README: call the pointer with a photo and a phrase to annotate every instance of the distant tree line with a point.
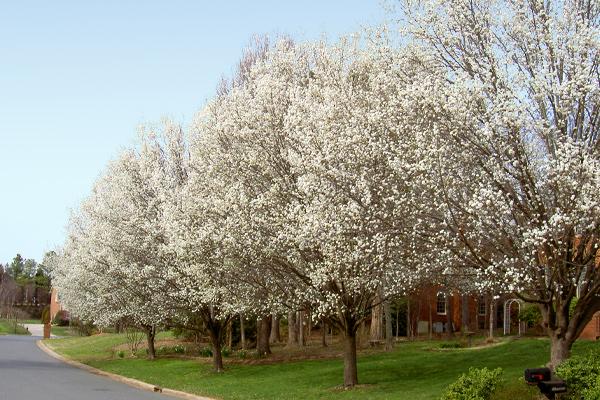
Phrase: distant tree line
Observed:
(24, 282)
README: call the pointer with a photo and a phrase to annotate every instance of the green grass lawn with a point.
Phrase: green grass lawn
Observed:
(64, 331)
(412, 371)
(10, 328)
(30, 321)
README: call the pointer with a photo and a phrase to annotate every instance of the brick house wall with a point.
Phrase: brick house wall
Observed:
(438, 307)
(55, 306)
(468, 313)
(592, 329)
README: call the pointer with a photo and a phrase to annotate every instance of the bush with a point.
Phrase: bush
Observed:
(175, 349)
(242, 354)
(120, 354)
(477, 384)
(531, 314)
(83, 328)
(581, 374)
(61, 318)
(178, 349)
(206, 352)
(572, 306)
(134, 339)
(190, 335)
(46, 315)
(225, 352)
(593, 393)
(451, 345)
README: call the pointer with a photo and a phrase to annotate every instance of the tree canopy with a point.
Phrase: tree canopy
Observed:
(327, 177)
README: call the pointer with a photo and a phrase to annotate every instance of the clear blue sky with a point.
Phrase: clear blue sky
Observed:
(78, 77)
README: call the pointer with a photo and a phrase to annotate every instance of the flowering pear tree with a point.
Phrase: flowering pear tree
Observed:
(311, 183)
(240, 169)
(107, 268)
(514, 153)
(196, 269)
(357, 167)
(141, 248)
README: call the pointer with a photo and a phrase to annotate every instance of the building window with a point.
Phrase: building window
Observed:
(482, 306)
(441, 303)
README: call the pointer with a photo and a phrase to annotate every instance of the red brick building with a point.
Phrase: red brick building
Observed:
(431, 311)
(434, 311)
(55, 306)
(592, 329)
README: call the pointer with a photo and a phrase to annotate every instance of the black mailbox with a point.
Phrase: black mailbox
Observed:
(542, 377)
(533, 376)
(555, 386)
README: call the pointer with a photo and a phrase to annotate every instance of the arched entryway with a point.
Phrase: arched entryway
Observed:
(507, 315)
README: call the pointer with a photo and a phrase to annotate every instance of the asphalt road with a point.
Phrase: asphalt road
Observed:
(27, 373)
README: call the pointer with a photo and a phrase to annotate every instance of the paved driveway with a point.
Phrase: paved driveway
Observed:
(36, 329)
(27, 373)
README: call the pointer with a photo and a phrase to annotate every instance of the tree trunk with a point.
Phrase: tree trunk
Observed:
(409, 327)
(216, 329)
(449, 316)
(309, 328)
(242, 332)
(560, 350)
(398, 320)
(389, 335)
(465, 315)
(350, 367)
(150, 336)
(360, 335)
(300, 322)
(229, 335)
(292, 332)
(215, 341)
(323, 333)
(264, 332)
(562, 331)
(291, 329)
(492, 315)
(275, 334)
(477, 316)
(430, 319)
(377, 320)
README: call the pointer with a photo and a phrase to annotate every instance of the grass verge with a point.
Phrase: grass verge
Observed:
(413, 370)
(64, 331)
(12, 328)
(30, 321)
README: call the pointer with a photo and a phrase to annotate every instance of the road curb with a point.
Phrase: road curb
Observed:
(119, 378)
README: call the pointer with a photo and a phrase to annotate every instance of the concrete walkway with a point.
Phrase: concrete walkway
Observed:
(27, 373)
